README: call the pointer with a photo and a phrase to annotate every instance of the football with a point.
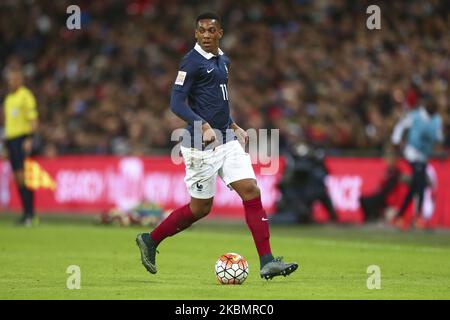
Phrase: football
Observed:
(231, 268)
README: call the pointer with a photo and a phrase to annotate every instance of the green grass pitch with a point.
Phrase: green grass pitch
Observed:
(333, 262)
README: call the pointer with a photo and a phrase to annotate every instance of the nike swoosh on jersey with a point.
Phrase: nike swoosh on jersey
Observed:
(209, 71)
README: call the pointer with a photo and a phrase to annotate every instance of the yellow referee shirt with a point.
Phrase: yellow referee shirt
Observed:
(20, 108)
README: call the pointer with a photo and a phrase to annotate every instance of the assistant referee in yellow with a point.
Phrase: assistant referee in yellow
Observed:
(21, 122)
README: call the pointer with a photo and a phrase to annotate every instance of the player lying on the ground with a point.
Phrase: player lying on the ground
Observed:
(202, 80)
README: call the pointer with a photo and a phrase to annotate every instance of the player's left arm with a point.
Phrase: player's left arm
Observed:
(240, 133)
(2, 133)
(2, 117)
(440, 131)
(31, 111)
(32, 117)
(439, 148)
(397, 134)
(2, 122)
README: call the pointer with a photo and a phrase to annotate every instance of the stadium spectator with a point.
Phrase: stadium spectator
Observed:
(105, 88)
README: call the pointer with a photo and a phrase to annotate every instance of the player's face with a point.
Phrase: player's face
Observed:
(14, 80)
(208, 34)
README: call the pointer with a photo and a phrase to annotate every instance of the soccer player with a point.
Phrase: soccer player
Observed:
(425, 130)
(21, 122)
(202, 81)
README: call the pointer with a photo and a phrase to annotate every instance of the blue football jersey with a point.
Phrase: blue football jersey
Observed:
(424, 132)
(203, 80)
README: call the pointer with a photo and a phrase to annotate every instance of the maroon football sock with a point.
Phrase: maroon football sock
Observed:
(177, 221)
(258, 223)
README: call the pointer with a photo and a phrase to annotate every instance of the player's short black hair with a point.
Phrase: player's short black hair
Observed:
(208, 15)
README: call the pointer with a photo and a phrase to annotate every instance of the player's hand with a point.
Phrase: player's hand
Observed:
(241, 135)
(209, 135)
(27, 145)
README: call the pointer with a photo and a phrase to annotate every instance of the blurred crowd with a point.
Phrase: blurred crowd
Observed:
(310, 68)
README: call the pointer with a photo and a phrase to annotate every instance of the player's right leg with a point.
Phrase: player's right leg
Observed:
(237, 172)
(24, 194)
(419, 221)
(414, 186)
(201, 173)
(179, 220)
(258, 224)
(17, 159)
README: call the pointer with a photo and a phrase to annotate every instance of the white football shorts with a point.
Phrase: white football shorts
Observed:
(229, 160)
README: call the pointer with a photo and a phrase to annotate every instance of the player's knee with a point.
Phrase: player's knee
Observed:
(250, 192)
(202, 210)
(256, 192)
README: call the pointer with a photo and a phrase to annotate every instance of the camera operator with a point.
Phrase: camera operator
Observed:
(303, 184)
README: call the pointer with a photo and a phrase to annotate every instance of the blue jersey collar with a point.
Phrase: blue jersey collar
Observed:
(207, 55)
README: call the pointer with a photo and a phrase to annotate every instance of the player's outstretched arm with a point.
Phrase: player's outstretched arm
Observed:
(401, 126)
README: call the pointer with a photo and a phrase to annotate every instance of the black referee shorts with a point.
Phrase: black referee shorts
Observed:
(15, 152)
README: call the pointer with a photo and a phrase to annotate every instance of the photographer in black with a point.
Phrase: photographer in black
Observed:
(302, 184)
